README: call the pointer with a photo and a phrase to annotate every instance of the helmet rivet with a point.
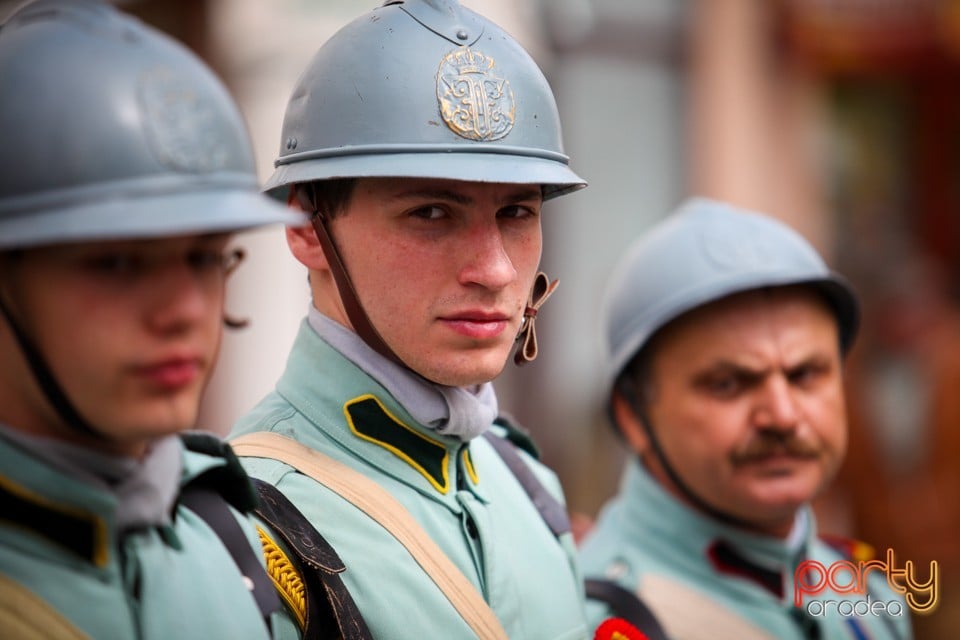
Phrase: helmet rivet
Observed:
(291, 143)
(462, 34)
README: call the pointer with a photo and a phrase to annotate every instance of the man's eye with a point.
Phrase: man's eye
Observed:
(725, 386)
(115, 263)
(722, 386)
(430, 212)
(806, 375)
(203, 260)
(515, 211)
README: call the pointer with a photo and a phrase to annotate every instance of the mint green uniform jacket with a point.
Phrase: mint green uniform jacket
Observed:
(700, 577)
(463, 496)
(58, 540)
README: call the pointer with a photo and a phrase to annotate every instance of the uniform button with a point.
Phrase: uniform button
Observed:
(617, 570)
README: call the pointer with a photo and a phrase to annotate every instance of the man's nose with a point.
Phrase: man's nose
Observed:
(776, 405)
(488, 263)
(181, 297)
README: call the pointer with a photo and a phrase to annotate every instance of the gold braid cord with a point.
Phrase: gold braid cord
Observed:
(286, 579)
(542, 289)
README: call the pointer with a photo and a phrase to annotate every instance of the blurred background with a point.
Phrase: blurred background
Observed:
(840, 117)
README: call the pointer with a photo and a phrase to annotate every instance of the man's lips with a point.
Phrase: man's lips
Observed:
(477, 324)
(171, 373)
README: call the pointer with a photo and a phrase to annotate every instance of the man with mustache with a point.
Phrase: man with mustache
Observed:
(423, 141)
(726, 335)
(125, 170)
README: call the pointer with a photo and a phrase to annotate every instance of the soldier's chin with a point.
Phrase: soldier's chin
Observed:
(782, 502)
(467, 368)
(172, 422)
(466, 379)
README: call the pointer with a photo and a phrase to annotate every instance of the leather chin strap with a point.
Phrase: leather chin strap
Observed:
(526, 338)
(48, 384)
(351, 303)
(671, 472)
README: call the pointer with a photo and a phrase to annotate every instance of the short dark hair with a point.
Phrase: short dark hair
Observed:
(635, 385)
(330, 197)
(635, 381)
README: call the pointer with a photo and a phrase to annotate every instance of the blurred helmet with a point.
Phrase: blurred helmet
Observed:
(424, 89)
(707, 250)
(113, 130)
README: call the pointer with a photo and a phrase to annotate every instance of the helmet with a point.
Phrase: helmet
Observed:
(423, 89)
(113, 130)
(704, 251)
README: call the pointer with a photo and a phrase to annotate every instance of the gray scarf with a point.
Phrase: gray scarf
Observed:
(461, 412)
(145, 490)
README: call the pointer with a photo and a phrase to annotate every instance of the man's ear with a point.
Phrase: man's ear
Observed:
(302, 240)
(306, 248)
(630, 424)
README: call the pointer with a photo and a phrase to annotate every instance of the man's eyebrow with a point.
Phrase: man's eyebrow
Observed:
(734, 365)
(813, 359)
(522, 194)
(727, 367)
(429, 193)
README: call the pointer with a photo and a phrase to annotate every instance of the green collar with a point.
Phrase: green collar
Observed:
(371, 421)
(65, 525)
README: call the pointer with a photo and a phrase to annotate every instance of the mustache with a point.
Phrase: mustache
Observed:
(767, 444)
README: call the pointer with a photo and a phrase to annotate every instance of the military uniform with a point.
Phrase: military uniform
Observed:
(73, 571)
(703, 579)
(461, 493)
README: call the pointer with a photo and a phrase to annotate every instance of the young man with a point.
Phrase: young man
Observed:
(126, 170)
(726, 382)
(423, 141)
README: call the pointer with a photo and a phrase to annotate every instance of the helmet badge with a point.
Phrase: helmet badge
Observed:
(181, 123)
(732, 250)
(474, 102)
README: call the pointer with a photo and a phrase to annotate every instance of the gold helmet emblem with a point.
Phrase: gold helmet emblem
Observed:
(474, 102)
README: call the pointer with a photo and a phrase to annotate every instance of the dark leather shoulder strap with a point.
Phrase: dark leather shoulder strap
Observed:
(210, 495)
(552, 512)
(213, 508)
(330, 609)
(627, 605)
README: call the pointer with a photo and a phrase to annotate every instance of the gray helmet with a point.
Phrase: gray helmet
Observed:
(113, 130)
(704, 251)
(428, 89)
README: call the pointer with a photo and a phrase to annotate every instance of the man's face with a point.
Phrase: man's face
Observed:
(443, 269)
(129, 329)
(747, 403)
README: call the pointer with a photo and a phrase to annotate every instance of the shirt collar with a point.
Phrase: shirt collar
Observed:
(676, 529)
